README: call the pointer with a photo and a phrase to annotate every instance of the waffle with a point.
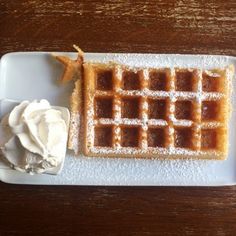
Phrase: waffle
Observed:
(154, 112)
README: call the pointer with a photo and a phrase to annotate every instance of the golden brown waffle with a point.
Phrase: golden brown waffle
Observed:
(155, 113)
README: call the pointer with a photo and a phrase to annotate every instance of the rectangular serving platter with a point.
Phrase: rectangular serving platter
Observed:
(34, 75)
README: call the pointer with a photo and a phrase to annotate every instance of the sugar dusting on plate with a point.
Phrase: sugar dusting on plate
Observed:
(122, 171)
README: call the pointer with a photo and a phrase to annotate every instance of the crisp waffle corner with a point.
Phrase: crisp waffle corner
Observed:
(164, 113)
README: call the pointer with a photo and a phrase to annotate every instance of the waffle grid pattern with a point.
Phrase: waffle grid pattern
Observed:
(155, 111)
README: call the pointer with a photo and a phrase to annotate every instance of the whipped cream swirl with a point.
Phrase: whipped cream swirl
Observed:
(37, 136)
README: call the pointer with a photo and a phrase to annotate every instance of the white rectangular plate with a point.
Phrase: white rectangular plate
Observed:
(34, 75)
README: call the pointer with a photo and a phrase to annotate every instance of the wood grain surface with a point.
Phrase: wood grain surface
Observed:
(118, 26)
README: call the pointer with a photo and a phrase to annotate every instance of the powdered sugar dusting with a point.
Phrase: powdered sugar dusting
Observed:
(163, 60)
(212, 74)
(163, 94)
(180, 152)
(128, 171)
(75, 131)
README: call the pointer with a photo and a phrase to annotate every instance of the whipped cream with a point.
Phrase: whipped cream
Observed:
(36, 137)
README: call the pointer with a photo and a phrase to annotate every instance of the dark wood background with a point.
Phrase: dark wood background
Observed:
(118, 26)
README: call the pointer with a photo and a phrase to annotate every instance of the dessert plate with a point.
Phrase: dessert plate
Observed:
(34, 75)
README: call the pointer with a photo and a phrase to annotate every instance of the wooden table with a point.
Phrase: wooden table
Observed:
(118, 26)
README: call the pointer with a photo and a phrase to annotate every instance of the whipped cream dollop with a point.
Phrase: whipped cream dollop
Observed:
(36, 137)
